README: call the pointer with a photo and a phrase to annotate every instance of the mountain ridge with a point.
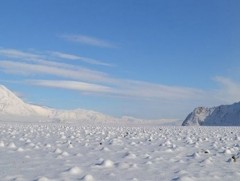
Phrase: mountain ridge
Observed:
(223, 115)
(12, 105)
(13, 108)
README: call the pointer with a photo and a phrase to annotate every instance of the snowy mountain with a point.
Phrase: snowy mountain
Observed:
(12, 106)
(80, 115)
(224, 115)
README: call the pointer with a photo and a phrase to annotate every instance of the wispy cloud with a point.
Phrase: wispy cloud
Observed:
(46, 57)
(75, 73)
(76, 57)
(135, 90)
(13, 53)
(72, 85)
(117, 87)
(153, 91)
(74, 77)
(229, 90)
(88, 40)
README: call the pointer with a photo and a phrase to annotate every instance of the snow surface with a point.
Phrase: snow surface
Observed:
(224, 115)
(56, 151)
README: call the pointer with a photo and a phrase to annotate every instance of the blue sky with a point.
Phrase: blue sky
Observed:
(147, 59)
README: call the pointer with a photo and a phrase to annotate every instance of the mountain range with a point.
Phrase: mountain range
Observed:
(13, 108)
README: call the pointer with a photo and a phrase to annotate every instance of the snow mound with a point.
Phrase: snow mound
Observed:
(25, 148)
(75, 170)
(88, 178)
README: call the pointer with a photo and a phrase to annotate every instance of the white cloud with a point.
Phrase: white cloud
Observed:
(88, 40)
(229, 91)
(33, 64)
(76, 57)
(75, 73)
(45, 57)
(151, 91)
(72, 85)
(73, 77)
(119, 87)
(140, 90)
(13, 53)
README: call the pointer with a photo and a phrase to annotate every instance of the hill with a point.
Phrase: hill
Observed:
(224, 115)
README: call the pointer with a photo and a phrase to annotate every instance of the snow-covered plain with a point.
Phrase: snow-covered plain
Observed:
(55, 151)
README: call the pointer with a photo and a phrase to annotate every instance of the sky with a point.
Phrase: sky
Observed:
(146, 59)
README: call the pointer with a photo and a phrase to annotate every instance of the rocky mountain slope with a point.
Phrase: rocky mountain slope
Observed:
(224, 115)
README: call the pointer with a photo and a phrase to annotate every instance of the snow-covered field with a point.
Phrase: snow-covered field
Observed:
(53, 151)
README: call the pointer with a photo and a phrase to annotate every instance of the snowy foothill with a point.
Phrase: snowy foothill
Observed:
(55, 151)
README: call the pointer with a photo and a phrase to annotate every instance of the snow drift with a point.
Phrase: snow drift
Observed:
(224, 115)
